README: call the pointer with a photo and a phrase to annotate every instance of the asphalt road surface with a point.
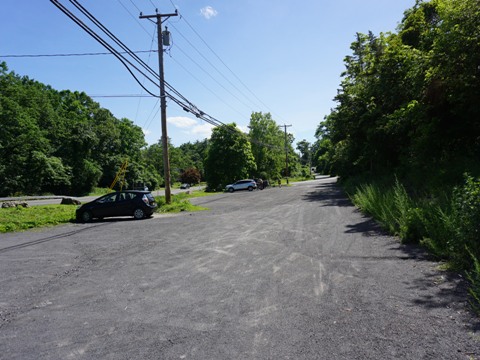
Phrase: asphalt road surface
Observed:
(284, 273)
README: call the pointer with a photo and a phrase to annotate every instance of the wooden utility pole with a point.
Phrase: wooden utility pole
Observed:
(163, 103)
(286, 150)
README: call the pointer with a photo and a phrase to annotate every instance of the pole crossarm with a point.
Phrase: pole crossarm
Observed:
(158, 16)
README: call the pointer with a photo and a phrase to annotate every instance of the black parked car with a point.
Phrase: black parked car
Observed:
(136, 203)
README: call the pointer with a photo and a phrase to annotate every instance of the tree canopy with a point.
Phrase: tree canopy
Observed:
(63, 142)
(229, 157)
(408, 101)
(268, 145)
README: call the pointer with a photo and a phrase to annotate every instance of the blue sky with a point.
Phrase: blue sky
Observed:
(227, 57)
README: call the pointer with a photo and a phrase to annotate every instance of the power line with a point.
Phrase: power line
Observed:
(214, 67)
(207, 88)
(224, 64)
(184, 103)
(111, 35)
(119, 56)
(210, 75)
(72, 54)
(121, 96)
(139, 23)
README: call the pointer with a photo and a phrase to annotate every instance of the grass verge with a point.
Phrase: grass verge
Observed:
(19, 218)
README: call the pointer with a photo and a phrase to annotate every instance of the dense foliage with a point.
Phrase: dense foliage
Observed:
(229, 157)
(63, 142)
(268, 146)
(408, 102)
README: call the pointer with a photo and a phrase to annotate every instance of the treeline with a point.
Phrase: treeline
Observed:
(405, 134)
(63, 142)
(409, 101)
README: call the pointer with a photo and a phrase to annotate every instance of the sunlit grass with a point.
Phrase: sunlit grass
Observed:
(19, 218)
(179, 203)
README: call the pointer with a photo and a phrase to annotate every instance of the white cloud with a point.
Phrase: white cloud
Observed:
(182, 122)
(243, 129)
(192, 128)
(204, 130)
(146, 132)
(208, 12)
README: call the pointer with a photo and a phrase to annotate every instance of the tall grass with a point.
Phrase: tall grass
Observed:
(448, 225)
(179, 203)
(392, 208)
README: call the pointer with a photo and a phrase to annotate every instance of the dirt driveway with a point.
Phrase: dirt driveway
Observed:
(290, 273)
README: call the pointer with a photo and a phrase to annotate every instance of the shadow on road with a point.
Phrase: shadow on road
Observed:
(450, 289)
(330, 194)
(368, 227)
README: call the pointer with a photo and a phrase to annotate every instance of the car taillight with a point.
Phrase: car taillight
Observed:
(145, 199)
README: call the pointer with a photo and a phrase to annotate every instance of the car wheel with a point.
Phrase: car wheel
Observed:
(250, 188)
(138, 214)
(86, 216)
(230, 190)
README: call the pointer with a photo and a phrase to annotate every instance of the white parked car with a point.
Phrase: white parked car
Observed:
(247, 184)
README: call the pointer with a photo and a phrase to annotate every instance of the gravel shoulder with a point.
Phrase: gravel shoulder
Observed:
(284, 273)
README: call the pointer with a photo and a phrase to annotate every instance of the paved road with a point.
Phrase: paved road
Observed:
(290, 273)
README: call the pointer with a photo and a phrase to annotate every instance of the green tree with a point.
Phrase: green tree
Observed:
(229, 157)
(195, 154)
(305, 152)
(268, 145)
(60, 141)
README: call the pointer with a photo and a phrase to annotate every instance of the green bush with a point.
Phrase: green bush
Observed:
(474, 278)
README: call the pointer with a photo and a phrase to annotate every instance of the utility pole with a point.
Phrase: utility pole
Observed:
(286, 150)
(163, 103)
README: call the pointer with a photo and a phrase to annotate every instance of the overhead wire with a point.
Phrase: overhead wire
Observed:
(94, 20)
(184, 103)
(207, 88)
(210, 75)
(120, 57)
(133, 16)
(70, 54)
(120, 96)
(189, 107)
(150, 116)
(223, 63)
(213, 66)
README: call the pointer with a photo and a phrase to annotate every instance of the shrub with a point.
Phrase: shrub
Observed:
(466, 218)
(190, 176)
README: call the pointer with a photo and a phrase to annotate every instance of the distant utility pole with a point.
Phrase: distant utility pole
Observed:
(286, 150)
(163, 103)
